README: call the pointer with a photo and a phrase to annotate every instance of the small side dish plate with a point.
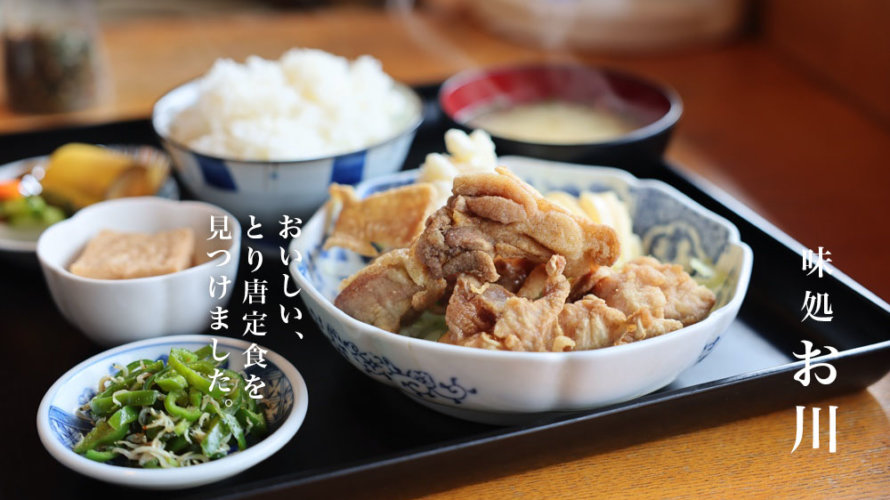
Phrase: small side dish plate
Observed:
(284, 395)
(23, 242)
(168, 304)
(13, 240)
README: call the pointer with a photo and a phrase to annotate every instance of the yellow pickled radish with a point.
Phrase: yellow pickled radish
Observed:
(82, 174)
(133, 181)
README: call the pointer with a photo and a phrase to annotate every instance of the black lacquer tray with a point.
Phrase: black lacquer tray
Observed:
(362, 438)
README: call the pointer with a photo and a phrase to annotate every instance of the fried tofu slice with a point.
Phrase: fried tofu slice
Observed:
(115, 255)
(383, 221)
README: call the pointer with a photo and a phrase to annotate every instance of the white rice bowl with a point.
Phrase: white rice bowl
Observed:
(308, 104)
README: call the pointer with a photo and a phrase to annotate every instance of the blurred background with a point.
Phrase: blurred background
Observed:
(779, 95)
(843, 44)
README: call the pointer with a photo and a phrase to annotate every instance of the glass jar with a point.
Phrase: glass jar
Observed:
(52, 53)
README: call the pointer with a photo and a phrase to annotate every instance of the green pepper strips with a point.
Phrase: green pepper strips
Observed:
(145, 396)
(105, 405)
(171, 381)
(123, 417)
(178, 359)
(190, 414)
(178, 444)
(214, 443)
(100, 456)
(134, 369)
(144, 365)
(203, 366)
(257, 420)
(195, 397)
(105, 433)
(182, 427)
(204, 352)
(235, 427)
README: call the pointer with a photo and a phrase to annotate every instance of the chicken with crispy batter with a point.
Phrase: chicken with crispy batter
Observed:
(654, 298)
(489, 216)
(488, 315)
(537, 317)
(498, 215)
(516, 271)
(665, 289)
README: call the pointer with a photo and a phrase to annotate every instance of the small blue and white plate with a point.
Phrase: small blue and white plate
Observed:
(285, 400)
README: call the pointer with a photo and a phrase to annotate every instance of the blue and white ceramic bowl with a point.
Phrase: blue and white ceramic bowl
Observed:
(284, 397)
(270, 189)
(497, 386)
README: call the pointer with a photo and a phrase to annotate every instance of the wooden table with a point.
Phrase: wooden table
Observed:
(793, 150)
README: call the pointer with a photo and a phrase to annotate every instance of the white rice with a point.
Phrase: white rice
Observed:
(307, 104)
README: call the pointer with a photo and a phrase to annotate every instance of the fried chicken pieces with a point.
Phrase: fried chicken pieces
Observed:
(514, 271)
(490, 316)
(489, 215)
(645, 299)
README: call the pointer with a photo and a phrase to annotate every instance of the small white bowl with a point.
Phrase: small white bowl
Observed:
(509, 387)
(270, 189)
(112, 312)
(59, 428)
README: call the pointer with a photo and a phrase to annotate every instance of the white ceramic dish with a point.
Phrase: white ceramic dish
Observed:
(270, 189)
(112, 312)
(496, 387)
(22, 243)
(59, 428)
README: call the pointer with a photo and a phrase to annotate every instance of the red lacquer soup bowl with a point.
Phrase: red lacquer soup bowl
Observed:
(651, 110)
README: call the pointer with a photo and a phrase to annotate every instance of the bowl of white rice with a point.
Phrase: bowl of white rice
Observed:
(266, 138)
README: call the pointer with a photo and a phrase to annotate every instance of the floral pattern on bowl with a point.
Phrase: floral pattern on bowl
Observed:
(418, 383)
